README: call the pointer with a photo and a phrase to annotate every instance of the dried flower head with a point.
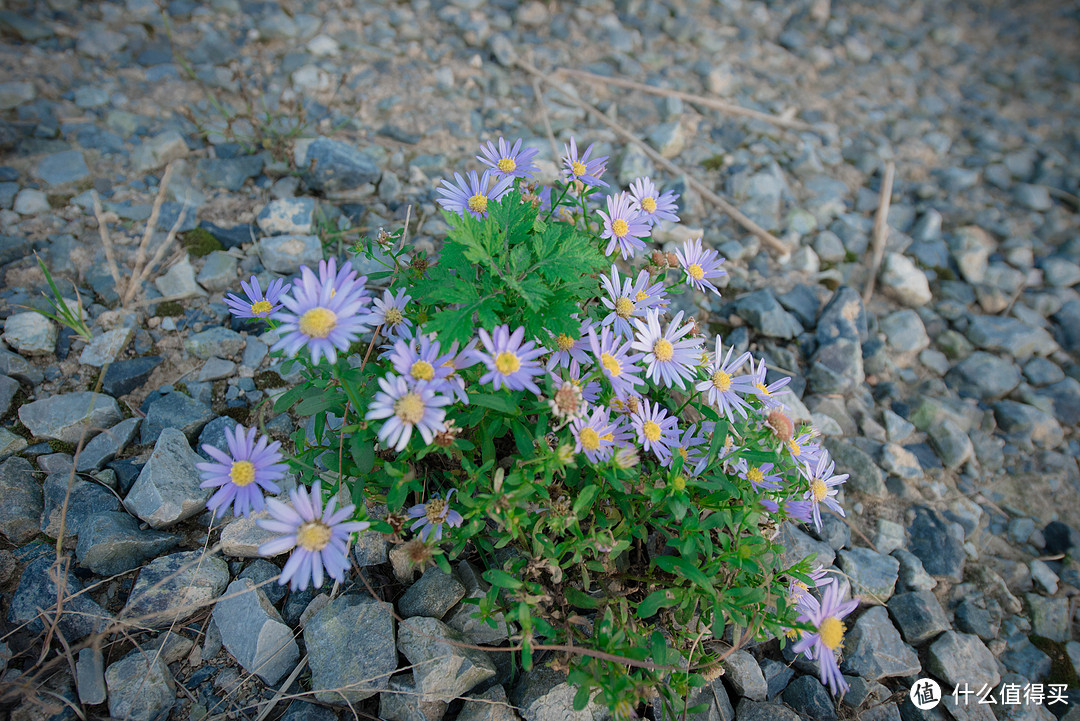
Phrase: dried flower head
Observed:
(780, 424)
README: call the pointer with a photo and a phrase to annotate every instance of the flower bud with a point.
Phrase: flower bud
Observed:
(781, 425)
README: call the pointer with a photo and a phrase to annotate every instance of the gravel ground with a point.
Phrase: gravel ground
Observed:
(952, 396)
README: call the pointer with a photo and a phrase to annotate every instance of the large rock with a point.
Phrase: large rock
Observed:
(159, 151)
(1049, 617)
(762, 311)
(242, 536)
(874, 650)
(173, 588)
(178, 411)
(433, 595)
(167, 489)
(286, 253)
(941, 552)
(864, 475)
(253, 632)
(958, 658)
(744, 674)
(749, 710)
(544, 694)
(112, 542)
(35, 599)
(20, 512)
(64, 417)
(351, 649)
(141, 688)
(106, 445)
(122, 377)
(443, 671)
(67, 166)
(401, 701)
(807, 696)
(1012, 336)
(872, 574)
(30, 333)
(919, 616)
(984, 375)
(105, 347)
(70, 501)
(331, 166)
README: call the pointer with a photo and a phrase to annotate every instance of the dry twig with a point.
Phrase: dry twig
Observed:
(881, 230)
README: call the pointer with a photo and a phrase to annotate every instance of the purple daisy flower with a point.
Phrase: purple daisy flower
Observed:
(583, 169)
(656, 430)
(595, 435)
(800, 510)
(433, 515)
(797, 590)
(407, 407)
(827, 617)
(617, 363)
(243, 474)
(653, 206)
(572, 374)
(804, 449)
(323, 313)
(457, 361)
(671, 359)
(629, 299)
(422, 363)
(509, 162)
(759, 476)
(257, 305)
(689, 447)
(389, 312)
(472, 196)
(569, 348)
(767, 393)
(319, 536)
(510, 362)
(823, 486)
(722, 388)
(624, 226)
(701, 266)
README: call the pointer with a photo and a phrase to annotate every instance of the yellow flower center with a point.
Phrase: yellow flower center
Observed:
(762, 389)
(422, 370)
(794, 447)
(409, 408)
(608, 437)
(507, 363)
(619, 227)
(589, 438)
(478, 204)
(242, 473)
(663, 350)
(682, 452)
(507, 165)
(754, 475)
(648, 205)
(818, 490)
(831, 632)
(721, 381)
(579, 169)
(793, 634)
(641, 295)
(318, 322)
(564, 342)
(436, 507)
(679, 483)
(612, 366)
(392, 317)
(261, 308)
(624, 307)
(651, 430)
(313, 535)
(695, 271)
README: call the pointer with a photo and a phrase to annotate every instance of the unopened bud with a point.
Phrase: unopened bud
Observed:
(673, 260)
(659, 259)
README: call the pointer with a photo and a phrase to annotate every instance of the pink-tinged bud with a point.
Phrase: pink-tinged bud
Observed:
(781, 425)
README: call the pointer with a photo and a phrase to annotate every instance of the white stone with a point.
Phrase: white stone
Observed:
(105, 347)
(31, 202)
(903, 280)
(30, 333)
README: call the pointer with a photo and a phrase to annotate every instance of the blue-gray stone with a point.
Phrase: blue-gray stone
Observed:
(124, 376)
(1002, 334)
(1049, 616)
(1028, 424)
(1060, 537)
(1065, 396)
(61, 168)
(749, 710)
(111, 542)
(802, 302)
(304, 711)
(744, 674)
(864, 475)
(175, 410)
(807, 696)
(873, 575)
(213, 434)
(941, 553)
(979, 616)
(20, 512)
(433, 595)
(874, 650)
(228, 173)
(66, 417)
(286, 253)
(983, 375)
(918, 615)
(352, 649)
(331, 166)
(106, 445)
(35, 598)
(777, 675)
(152, 698)
(958, 658)
(1033, 197)
(762, 311)
(1025, 658)
(216, 341)
(952, 444)
(287, 216)
(168, 487)
(171, 589)
(85, 500)
(261, 570)
(1042, 372)
(253, 632)
(232, 237)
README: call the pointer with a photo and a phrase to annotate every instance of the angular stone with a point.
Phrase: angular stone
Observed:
(749, 710)
(1049, 617)
(173, 588)
(1026, 421)
(106, 445)
(958, 658)
(1065, 396)
(216, 369)
(65, 417)
(105, 347)
(983, 375)
(873, 575)
(228, 173)
(218, 272)
(31, 202)
(544, 694)
(744, 674)
(123, 377)
(167, 489)
(287, 216)
(432, 596)
(903, 280)
(953, 446)
(241, 537)
(30, 333)
(332, 166)
(90, 676)
(111, 542)
(941, 553)
(159, 151)
(15, 93)
(762, 311)
(843, 317)
(1002, 334)
(901, 462)
(179, 281)
(152, 697)
(837, 367)
(874, 650)
(370, 548)
(83, 499)
(905, 331)
(286, 253)
(36, 598)
(13, 364)
(213, 434)
(443, 671)
(971, 248)
(304, 711)
(351, 649)
(490, 705)
(864, 474)
(8, 388)
(20, 512)
(68, 166)
(217, 341)
(401, 702)
(253, 632)
(10, 444)
(798, 545)
(807, 696)
(918, 615)
(177, 411)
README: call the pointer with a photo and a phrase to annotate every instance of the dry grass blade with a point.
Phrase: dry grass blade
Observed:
(770, 240)
(106, 241)
(881, 230)
(140, 254)
(713, 103)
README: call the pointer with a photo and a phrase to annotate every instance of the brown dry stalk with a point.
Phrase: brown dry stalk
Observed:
(106, 241)
(881, 230)
(713, 103)
(725, 205)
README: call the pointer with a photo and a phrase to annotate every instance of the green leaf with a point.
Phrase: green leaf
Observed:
(285, 401)
(495, 403)
(656, 600)
(585, 499)
(580, 599)
(443, 564)
(512, 218)
(502, 579)
(682, 567)
(363, 453)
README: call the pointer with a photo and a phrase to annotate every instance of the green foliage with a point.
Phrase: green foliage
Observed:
(510, 265)
(62, 310)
